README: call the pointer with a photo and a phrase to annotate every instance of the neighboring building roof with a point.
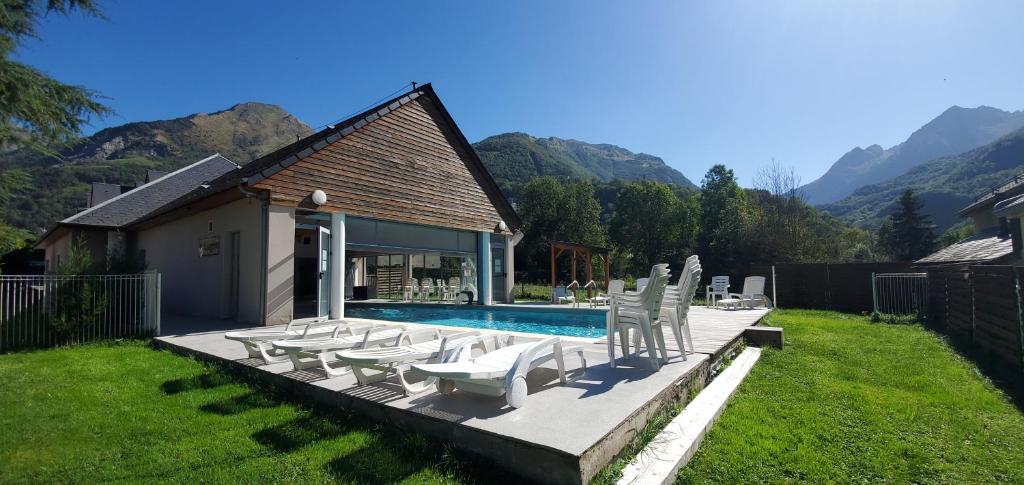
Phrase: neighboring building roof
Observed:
(1012, 187)
(139, 202)
(1008, 207)
(279, 159)
(152, 175)
(101, 192)
(985, 246)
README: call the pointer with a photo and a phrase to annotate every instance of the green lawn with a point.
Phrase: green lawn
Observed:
(126, 412)
(847, 400)
(853, 401)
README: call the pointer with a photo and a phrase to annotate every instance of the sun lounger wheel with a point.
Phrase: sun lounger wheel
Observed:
(446, 387)
(516, 394)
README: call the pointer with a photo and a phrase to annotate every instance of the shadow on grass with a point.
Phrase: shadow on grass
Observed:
(240, 404)
(1008, 378)
(205, 381)
(301, 432)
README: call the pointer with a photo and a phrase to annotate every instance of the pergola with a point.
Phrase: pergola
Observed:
(587, 252)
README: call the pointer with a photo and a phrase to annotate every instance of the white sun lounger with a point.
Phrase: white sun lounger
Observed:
(317, 350)
(501, 371)
(258, 342)
(410, 349)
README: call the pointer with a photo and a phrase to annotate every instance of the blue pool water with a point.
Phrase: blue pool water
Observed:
(562, 322)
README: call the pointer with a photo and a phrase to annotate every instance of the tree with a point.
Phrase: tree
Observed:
(38, 111)
(722, 215)
(653, 225)
(908, 236)
(553, 211)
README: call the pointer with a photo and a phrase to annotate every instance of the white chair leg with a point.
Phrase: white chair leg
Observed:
(659, 337)
(610, 339)
(560, 362)
(686, 331)
(645, 328)
(624, 341)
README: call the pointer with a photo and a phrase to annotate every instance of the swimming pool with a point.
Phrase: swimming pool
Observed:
(573, 323)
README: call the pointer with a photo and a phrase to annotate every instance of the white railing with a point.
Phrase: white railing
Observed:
(48, 310)
(900, 293)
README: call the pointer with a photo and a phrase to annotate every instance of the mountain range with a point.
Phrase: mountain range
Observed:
(36, 190)
(957, 130)
(949, 161)
(945, 184)
(514, 158)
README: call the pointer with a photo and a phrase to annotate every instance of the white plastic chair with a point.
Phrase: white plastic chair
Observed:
(411, 289)
(675, 307)
(639, 312)
(641, 283)
(719, 287)
(426, 289)
(753, 293)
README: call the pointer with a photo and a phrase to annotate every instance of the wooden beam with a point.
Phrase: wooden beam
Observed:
(553, 282)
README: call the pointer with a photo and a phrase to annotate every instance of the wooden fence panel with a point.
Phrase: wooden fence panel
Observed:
(841, 287)
(960, 306)
(996, 313)
(938, 307)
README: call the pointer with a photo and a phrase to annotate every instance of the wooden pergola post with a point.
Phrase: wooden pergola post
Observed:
(587, 252)
(553, 281)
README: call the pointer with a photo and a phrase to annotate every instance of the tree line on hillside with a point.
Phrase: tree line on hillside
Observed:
(646, 222)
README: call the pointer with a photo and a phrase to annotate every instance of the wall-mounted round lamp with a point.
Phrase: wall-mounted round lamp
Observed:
(319, 197)
(502, 226)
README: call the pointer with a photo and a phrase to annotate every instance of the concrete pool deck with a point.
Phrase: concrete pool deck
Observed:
(564, 434)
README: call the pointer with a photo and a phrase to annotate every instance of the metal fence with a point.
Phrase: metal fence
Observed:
(49, 310)
(900, 293)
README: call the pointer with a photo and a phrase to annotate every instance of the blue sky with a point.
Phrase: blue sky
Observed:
(695, 83)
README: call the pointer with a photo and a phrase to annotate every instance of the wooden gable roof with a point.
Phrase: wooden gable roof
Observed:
(407, 163)
(403, 160)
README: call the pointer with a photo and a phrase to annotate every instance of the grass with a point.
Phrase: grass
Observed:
(847, 401)
(126, 412)
(853, 401)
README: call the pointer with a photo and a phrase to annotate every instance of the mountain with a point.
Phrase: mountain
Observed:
(955, 131)
(514, 158)
(945, 184)
(36, 190)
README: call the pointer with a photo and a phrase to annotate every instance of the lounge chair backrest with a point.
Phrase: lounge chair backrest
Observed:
(414, 282)
(559, 291)
(616, 286)
(719, 283)
(753, 285)
(453, 282)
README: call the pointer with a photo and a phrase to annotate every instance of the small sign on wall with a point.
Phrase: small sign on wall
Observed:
(209, 246)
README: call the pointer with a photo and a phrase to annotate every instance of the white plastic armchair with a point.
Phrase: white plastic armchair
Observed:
(719, 287)
(410, 290)
(639, 312)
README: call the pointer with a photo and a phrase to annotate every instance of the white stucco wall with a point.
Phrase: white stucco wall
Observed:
(280, 264)
(198, 286)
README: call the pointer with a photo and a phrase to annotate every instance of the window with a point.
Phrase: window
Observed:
(499, 265)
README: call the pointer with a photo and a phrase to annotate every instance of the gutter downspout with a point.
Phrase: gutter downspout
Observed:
(264, 224)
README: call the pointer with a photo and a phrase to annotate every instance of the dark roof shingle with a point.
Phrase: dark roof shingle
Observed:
(137, 203)
(984, 246)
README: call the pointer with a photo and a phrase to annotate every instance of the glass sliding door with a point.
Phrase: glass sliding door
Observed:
(324, 281)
